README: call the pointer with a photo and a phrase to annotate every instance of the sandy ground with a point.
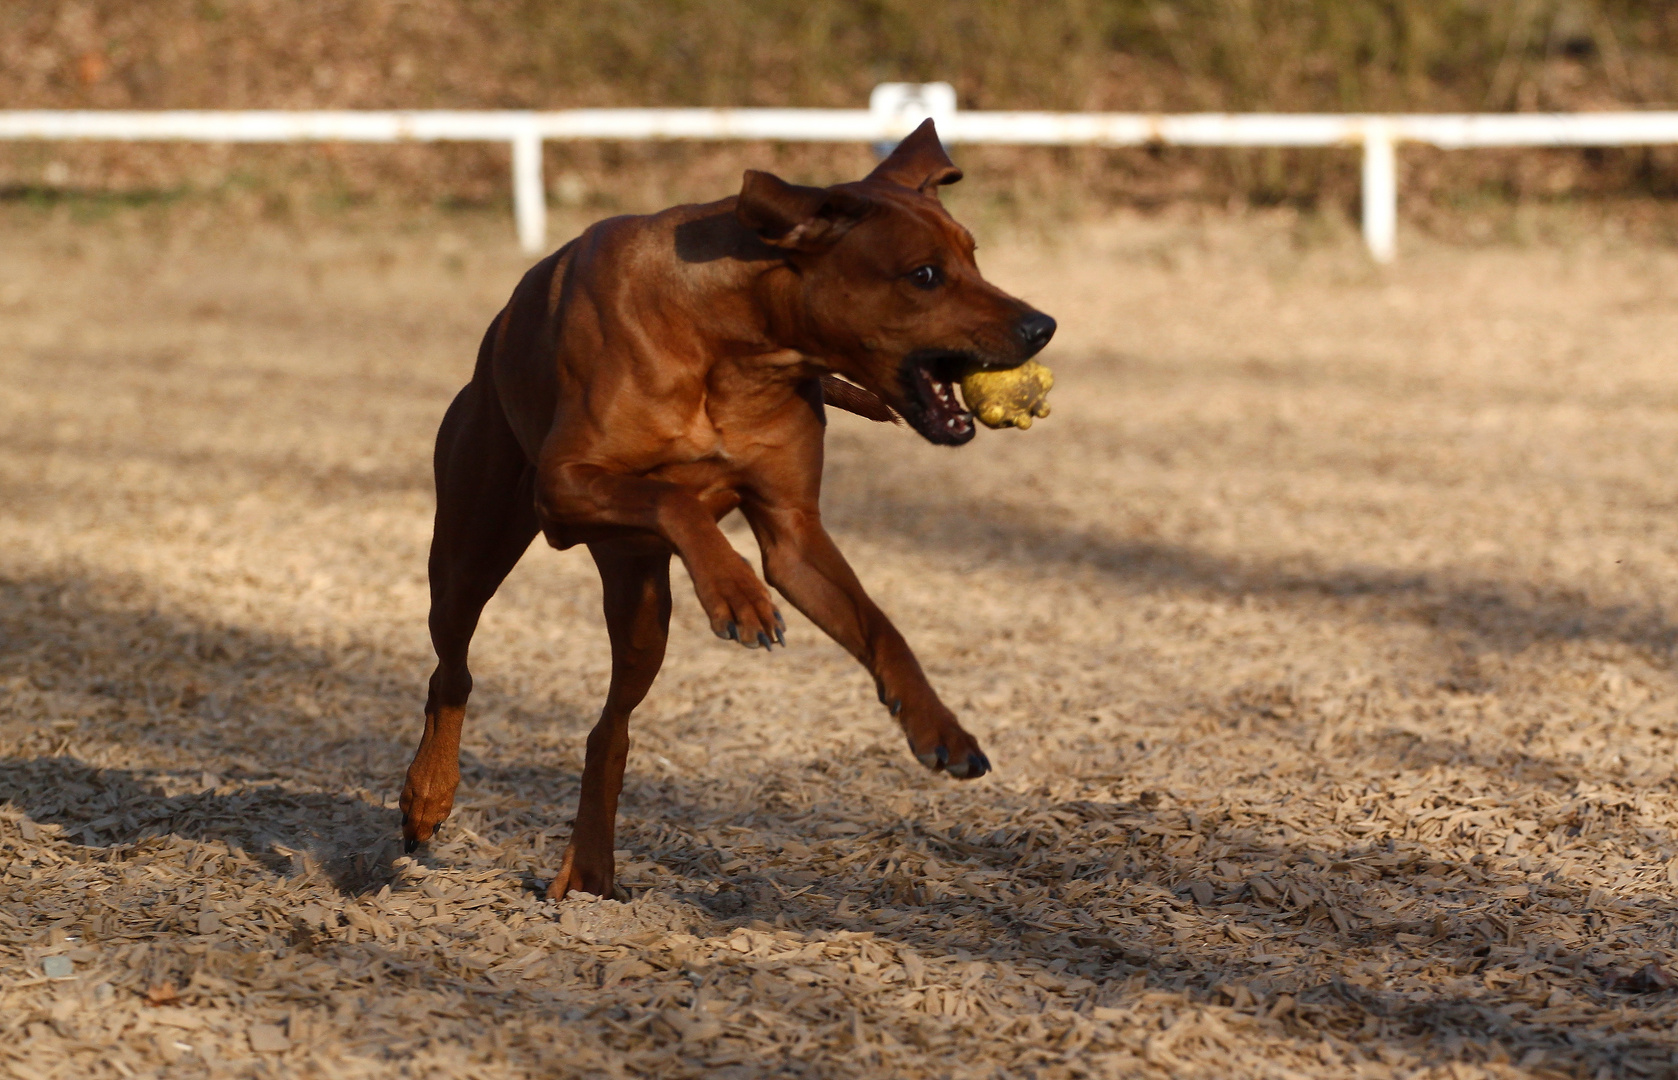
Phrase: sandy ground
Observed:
(1321, 639)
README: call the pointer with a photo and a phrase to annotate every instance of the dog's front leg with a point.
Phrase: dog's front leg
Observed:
(579, 500)
(804, 564)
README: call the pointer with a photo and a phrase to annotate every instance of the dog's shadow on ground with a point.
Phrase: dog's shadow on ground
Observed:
(353, 843)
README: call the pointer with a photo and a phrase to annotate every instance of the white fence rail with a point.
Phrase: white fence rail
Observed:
(895, 109)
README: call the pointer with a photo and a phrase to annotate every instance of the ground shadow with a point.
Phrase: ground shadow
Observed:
(1299, 898)
(90, 653)
(1497, 615)
(87, 652)
(351, 841)
(287, 831)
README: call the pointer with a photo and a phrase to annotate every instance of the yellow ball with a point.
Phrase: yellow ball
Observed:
(1009, 398)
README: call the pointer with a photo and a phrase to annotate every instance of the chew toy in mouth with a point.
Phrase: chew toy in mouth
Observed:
(1010, 398)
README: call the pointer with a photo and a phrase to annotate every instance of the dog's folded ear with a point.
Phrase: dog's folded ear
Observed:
(918, 162)
(797, 217)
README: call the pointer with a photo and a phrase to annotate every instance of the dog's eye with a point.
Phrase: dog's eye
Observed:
(926, 277)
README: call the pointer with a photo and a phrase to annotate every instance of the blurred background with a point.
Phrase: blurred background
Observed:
(1167, 55)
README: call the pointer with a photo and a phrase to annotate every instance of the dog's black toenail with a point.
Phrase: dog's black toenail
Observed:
(733, 632)
(780, 623)
(943, 756)
(896, 706)
(977, 764)
(410, 845)
(763, 639)
(780, 638)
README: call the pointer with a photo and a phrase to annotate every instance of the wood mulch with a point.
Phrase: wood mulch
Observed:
(1320, 636)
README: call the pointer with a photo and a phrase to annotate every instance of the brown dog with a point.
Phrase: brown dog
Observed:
(658, 372)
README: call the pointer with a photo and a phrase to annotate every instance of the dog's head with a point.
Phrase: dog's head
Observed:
(887, 289)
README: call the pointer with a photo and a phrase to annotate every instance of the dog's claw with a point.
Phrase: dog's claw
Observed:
(780, 636)
(410, 845)
(733, 632)
(780, 623)
(763, 639)
(896, 706)
(936, 758)
(976, 765)
(973, 766)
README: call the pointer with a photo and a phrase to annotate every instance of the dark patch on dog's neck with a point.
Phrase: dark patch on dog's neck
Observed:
(721, 236)
(811, 391)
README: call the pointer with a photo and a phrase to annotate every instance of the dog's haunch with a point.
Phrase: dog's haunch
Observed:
(1011, 398)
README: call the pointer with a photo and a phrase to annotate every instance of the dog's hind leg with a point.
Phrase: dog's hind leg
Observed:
(637, 600)
(486, 519)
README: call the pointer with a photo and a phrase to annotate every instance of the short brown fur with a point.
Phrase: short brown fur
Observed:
(659, 372)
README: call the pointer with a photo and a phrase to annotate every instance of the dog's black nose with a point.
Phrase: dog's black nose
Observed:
(1035, 330)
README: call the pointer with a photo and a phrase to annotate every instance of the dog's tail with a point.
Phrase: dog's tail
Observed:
(854, 399)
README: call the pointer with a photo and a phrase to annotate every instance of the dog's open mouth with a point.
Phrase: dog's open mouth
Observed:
(932, 407)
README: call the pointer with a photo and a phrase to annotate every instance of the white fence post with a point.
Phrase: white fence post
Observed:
(1380, 191)
(530, 202)
(900, 108)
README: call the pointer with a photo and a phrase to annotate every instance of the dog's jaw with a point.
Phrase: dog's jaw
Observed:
(930, 404)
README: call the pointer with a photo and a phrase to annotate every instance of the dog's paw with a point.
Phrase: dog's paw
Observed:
(427, 799)
(579, 876)
(948, 748)
(740, 609)
(969, 766)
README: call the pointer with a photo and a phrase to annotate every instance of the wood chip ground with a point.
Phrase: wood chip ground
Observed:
(1322, 638)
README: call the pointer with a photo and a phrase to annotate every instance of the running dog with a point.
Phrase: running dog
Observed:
(657, 373)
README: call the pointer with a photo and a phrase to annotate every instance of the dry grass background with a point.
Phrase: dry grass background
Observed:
(1322, 640)
(1155, 55)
